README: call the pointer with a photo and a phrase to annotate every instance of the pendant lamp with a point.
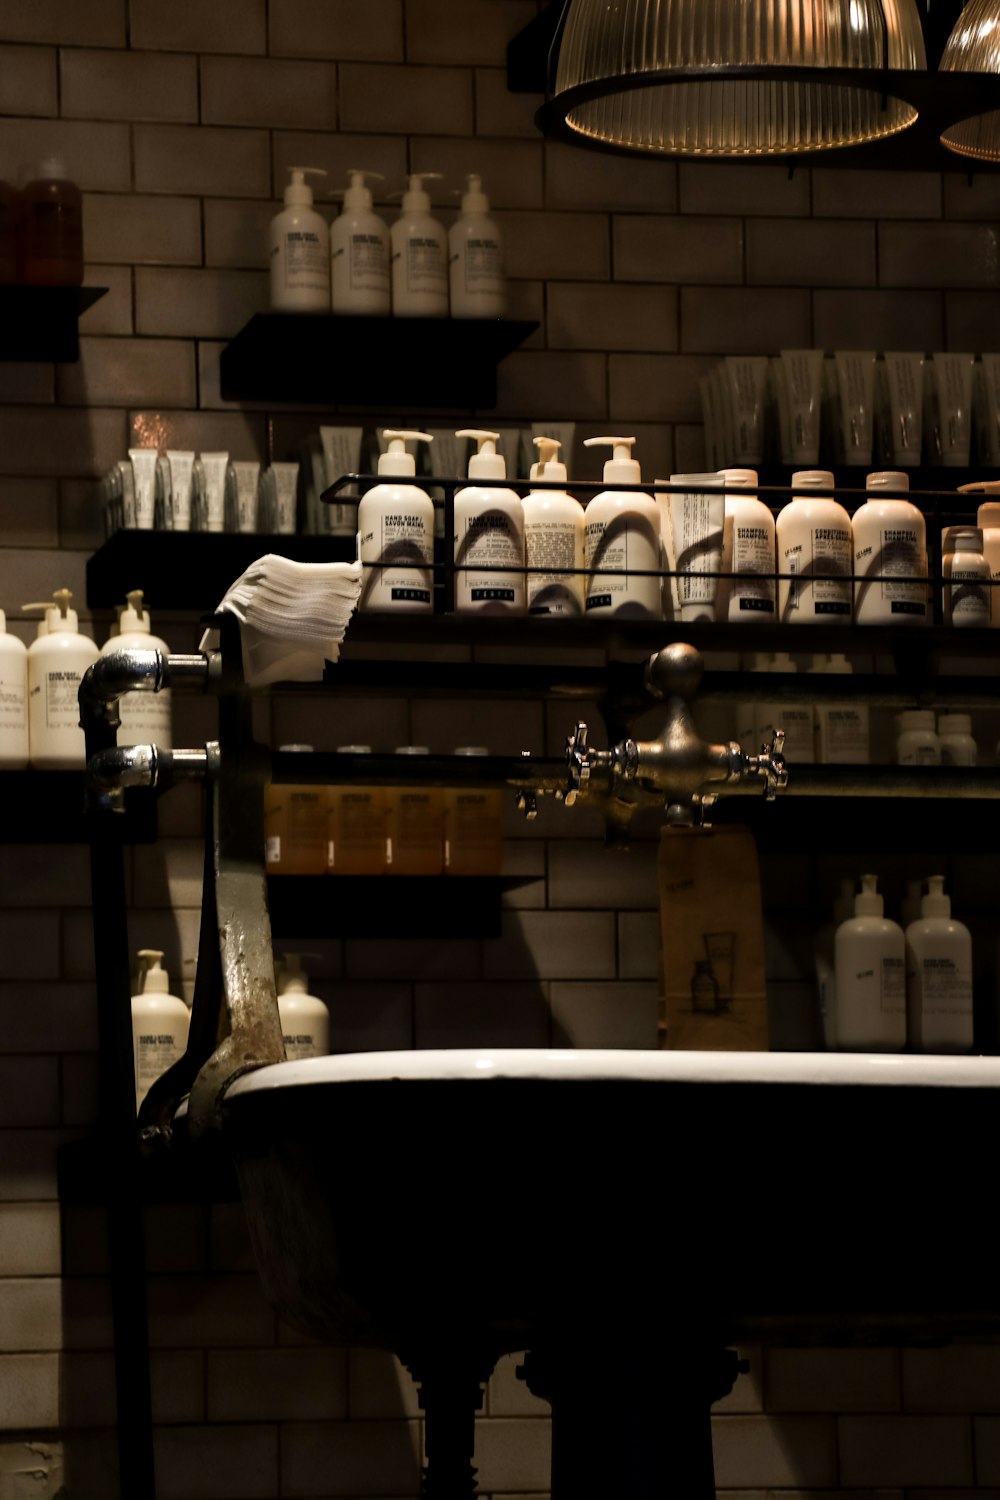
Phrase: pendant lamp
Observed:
(731, 78)
(974, 47)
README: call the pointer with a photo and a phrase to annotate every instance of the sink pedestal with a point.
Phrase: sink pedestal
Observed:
(451, 1393)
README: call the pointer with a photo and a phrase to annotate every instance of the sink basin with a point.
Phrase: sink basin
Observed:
(436, 1198)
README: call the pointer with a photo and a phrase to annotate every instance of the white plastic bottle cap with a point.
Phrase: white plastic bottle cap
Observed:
(412, 750)
(293, 979)
(868, 903)
(58, 618)
(294, 749)
(812, 479)
(155, 979)
(474, 200)
(395, 460)
(358, 195)
(354, 749)
(486, 462)
(745, 478)
(988, 514)
(471, 750)
(622, 467)
(548, 465)
(967, 539)
(935, 903)
(954, 724)
(916, 718)
(297, 190)
(894, 483)
(416, 199)
(133, 617)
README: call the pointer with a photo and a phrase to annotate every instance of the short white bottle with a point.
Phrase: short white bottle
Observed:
(360, 251)
(419, 256)
(475, 258)
(966, 580)
(870, 966)
(958, 745)
(396, 534)
(813, 535)
(145, 717)
(988, 520)
(917, 742)
(939, 977)
(13, 700)
(748, 550)
(57, 661)
(553, 538)
(489, 536)
(300, 249)
(622, 541)
(890, 545)
(160, 1024)
(842, 727)
(305, 1019)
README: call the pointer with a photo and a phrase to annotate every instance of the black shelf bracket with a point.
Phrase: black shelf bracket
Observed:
(42, 322)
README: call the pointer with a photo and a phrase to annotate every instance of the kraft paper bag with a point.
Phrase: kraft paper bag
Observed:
(712, 927)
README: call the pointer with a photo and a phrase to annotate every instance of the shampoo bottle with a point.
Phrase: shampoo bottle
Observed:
(747, 551)
(145, 717)
(813, 535)
(890, 546)
(938, 976)
(51, 216)
(475, 258)
(396, 534)
(359, 253)
(305, 1019)
(553, 539)
(13, 700)
(622, 546)
(57, 661)
(489, 536)
(419, 256)
(300, 249)
(159, 1024)
(967, 580)
(870, 965)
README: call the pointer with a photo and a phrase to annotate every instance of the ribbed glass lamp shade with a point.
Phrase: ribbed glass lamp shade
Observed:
(974, 47)
(655, 68)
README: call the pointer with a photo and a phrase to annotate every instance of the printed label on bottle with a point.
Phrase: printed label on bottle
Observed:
(490, 540)
(403, 551)
(947, 989)
(425, 265)
(272, 850)
(62, 703)
(547, 545)
(969, 602)
(892, 1000)
(369, 263)
(299, 1045)
(145, 718)
(812, 588)
(483, 265)
(610, 548)
(13, 705)
(155, 1052)
(306, 266)
(900, 554)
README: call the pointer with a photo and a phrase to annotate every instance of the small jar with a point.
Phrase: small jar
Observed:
(958, 747)
(967, 580)
(917, 743)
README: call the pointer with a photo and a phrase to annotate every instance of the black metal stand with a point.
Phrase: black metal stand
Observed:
(451, 1393)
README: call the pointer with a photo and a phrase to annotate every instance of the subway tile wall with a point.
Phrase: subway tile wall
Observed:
(179, 120)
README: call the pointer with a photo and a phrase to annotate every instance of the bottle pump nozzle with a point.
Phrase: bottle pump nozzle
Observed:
(868, 903)
(297, 189)
(57, 613)
(133, 617)
(474, 200)
(935, 903)
(153, 978)
(486, 462)
(396, 460)
(416, 197)
(548, 465)
(621, 466)
(289, 973)
(358, 195)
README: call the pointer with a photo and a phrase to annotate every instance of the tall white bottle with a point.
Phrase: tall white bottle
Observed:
(553, 538)
(939, 976)
(57, 661)
(489, 536)
(13, 700)
(622, 541)
(360, 251)
(395, 527)
(747, 550)
(305, 1019)
(145, 717)
(475, 258)
(419, 256)
(300, 249)
(870, 965)
(843, 910)
(890, 543)
(813, 535)
(160, 1024)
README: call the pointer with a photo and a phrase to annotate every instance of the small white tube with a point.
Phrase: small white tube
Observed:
(904, 377)
(855, 371)
(214, 467)
(286, 486)
(127, 486)
(246, 473)
(341, 455)
(181, 464)
(746, 378)
(803, 384)
(953, 388)
(143, 461)
(696, 524)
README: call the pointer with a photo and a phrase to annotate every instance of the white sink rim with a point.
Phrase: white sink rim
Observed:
(592, 1065)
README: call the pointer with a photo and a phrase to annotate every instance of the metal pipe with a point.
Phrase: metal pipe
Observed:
(889, 781)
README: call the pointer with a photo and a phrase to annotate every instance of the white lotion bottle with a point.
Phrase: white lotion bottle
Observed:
(145, 717)
(396, 529)
(890, 545)
(489, 536)
(360, 250)
(939, 976)
(870, 965)
(476, 277)
(300, 249)
(843, 910)
(967, 580)
(419, 256)
(160, 1024)
(305, 1019)
(748, 550)
(958, 744)
(813, 534)
(57, 660)
(13, 700)
(553, 538)
(622, 541)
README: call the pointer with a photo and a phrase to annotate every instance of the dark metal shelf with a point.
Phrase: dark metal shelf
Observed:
(47, 807)
(409, 906)
(41, 322)
(416, 363)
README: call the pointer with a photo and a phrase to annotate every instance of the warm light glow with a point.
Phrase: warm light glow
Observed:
(974, 47)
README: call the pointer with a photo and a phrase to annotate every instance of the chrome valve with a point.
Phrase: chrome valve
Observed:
(770, 766)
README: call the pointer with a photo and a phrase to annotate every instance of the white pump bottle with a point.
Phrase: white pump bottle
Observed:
(305, 1019)
(489, 536)
(870, 966)
(553, 538)
(57, 661)
(359, 253)
(145, 717)
(396, 527)
(622, 540)
(419, 255)
(938, 976)
(475, 249)
(13, 700)
(300, 249)
(160, 1024)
